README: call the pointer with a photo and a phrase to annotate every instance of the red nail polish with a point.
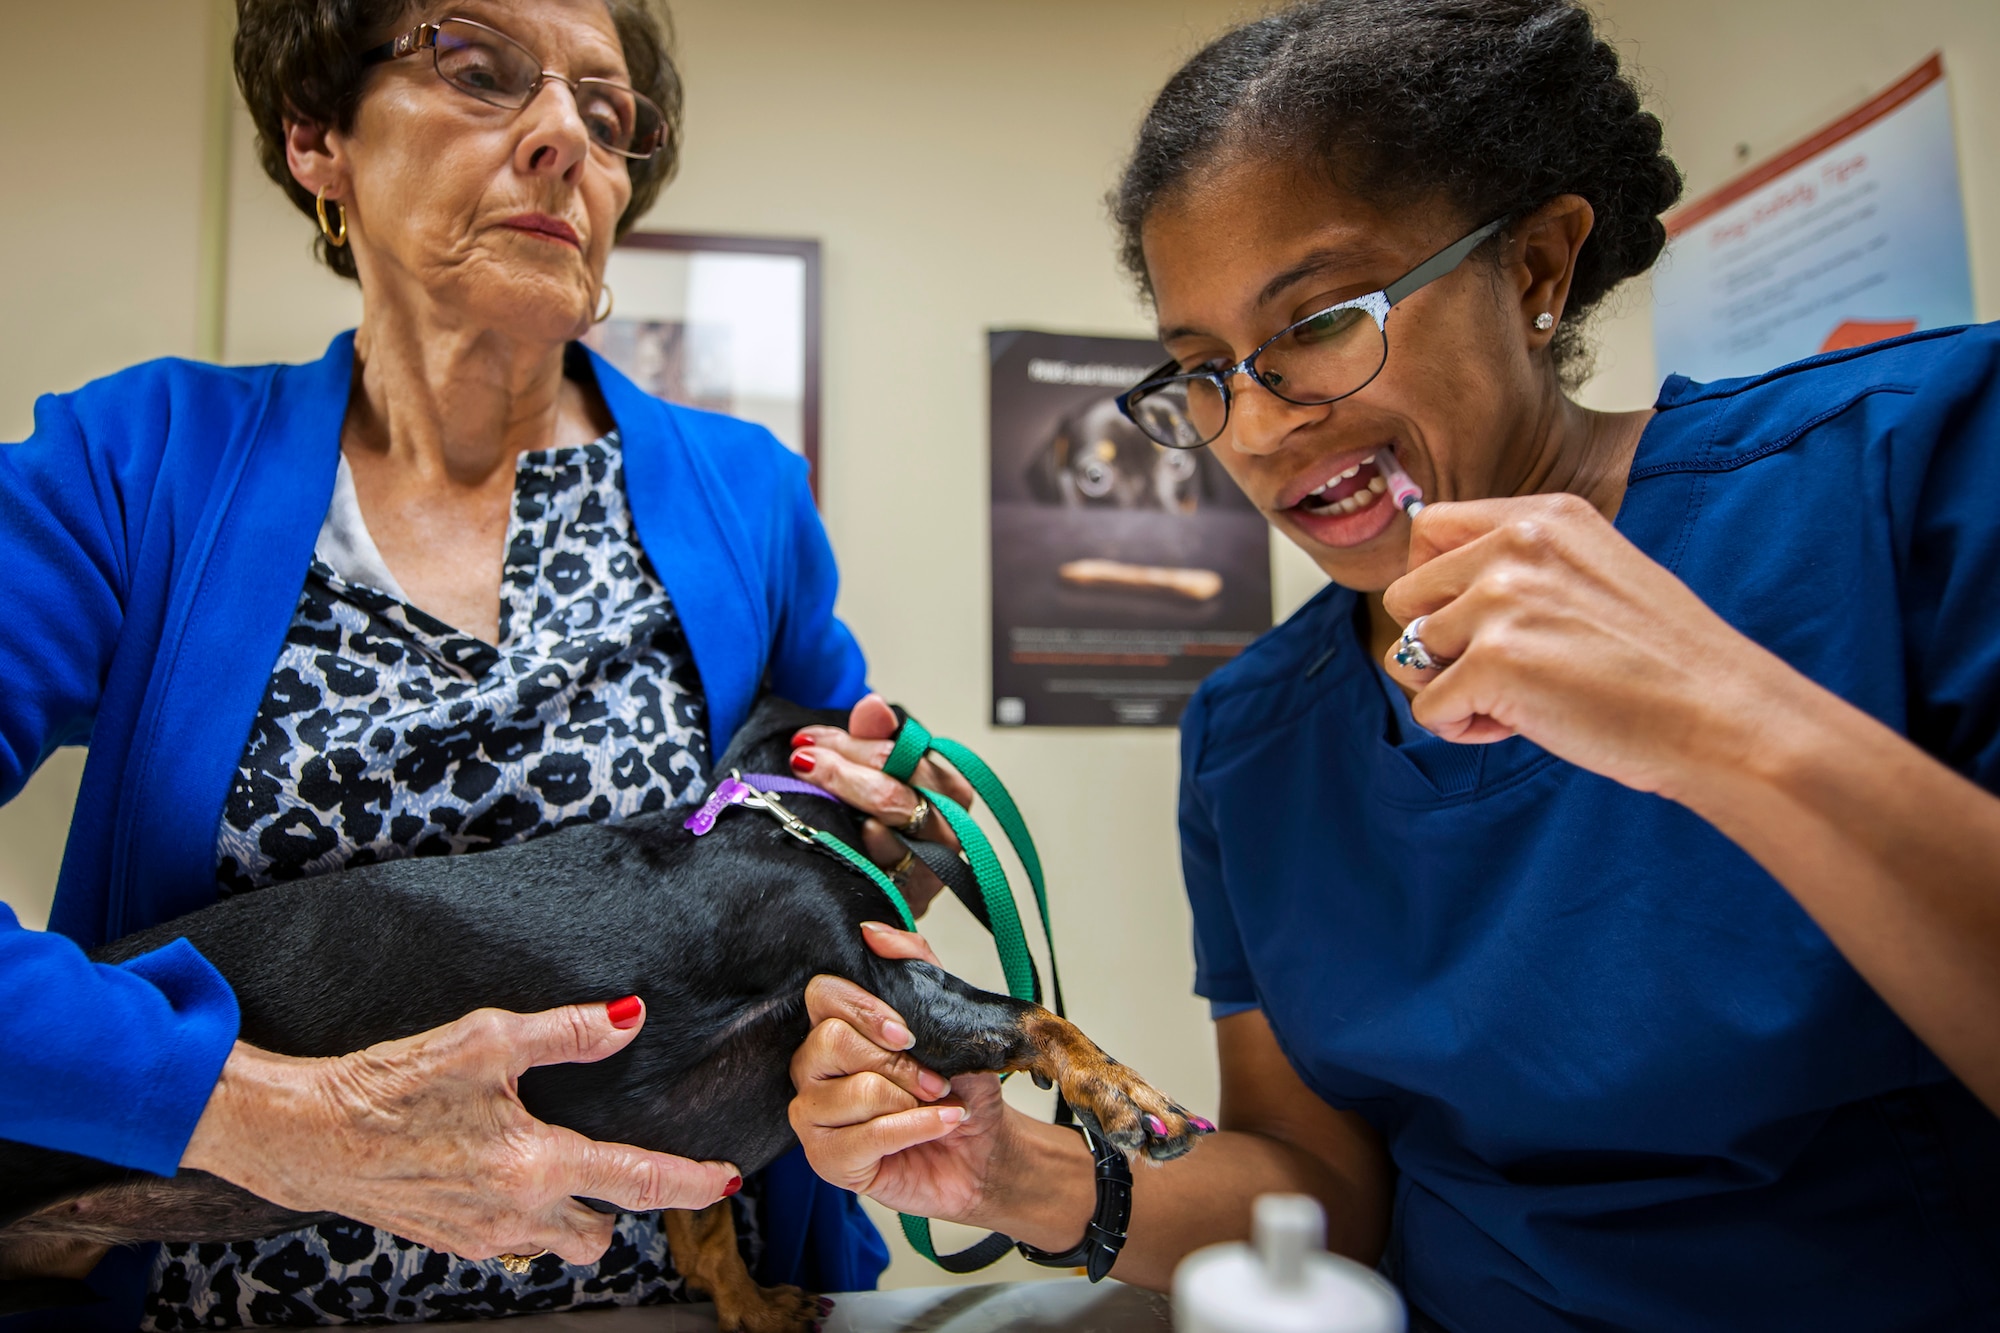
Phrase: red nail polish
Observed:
(623, 1013)
(801, 762)
(735, 1184)
(801, 739)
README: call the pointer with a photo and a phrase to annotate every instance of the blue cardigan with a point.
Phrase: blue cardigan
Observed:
(155, 533)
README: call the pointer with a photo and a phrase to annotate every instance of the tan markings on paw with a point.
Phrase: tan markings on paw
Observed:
(704, 1250)
(1128, 1110)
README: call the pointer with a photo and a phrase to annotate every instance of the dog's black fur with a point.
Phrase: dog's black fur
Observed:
(719, 935)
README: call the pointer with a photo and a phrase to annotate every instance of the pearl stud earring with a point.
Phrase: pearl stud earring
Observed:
(1545, 321)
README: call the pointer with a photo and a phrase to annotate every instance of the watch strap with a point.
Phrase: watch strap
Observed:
(1104, 1234)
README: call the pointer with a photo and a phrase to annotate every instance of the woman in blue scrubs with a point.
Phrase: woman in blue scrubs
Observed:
(1598, 885)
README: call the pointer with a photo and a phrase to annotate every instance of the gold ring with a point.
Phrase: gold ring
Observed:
(517, 1264)
(896, 871)
(913, 827)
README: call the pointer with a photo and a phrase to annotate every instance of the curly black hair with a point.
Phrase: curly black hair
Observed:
(297, 60)
(1493, 107)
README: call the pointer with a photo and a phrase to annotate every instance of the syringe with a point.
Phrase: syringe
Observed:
(1403, 492)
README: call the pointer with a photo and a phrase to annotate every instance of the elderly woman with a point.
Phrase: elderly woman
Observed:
(1597, 889)
(455, 585)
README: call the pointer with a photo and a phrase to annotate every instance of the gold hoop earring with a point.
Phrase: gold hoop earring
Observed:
(333, 238)
(604, 291)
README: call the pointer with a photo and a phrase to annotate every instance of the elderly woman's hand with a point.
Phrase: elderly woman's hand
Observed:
(427, 1138)
(849, 765)
(1549, 624)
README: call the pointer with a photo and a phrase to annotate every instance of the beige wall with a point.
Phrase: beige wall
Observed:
(952, 160)
(100, 259)
(1759, 75)
(100, 216)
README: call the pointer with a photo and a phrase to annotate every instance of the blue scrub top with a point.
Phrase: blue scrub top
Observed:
(1625, 1080)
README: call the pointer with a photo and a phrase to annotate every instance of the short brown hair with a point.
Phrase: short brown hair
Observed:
(299, 60)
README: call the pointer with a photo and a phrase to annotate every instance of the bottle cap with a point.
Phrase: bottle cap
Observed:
(1285, 1283)
(1287, 1228)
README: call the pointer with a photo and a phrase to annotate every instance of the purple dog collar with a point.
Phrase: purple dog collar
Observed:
(735, 790)
(779, 782)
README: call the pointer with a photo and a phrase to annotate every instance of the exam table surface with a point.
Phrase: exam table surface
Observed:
(1060, 1305)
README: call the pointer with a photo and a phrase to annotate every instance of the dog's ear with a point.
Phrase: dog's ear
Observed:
(762, 743)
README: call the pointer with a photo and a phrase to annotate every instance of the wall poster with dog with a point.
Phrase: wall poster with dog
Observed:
(1123, 573)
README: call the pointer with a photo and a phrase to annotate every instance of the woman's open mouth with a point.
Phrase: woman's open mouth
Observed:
(1347, 508)
(1348, 491)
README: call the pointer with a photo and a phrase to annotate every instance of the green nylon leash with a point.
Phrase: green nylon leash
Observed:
(1009, 940)
(986, 783)
(870, 869)
(913, 742)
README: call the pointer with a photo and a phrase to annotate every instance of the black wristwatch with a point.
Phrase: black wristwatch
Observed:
(1104, 1236)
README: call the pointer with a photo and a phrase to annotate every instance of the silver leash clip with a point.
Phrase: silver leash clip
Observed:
(769, 802)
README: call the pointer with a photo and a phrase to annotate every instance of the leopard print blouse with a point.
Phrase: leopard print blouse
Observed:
(385, 733)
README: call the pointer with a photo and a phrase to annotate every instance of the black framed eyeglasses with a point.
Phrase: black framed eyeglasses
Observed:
(1320, 359)
(486, 63)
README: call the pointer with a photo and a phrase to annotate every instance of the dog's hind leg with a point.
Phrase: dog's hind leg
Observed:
(704, 1249)
(961, 1029)
(46, 1274)
(45, 1254)
(191, 1205)
(27, 1257)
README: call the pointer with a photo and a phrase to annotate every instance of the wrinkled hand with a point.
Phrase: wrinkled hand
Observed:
(849, 765)
(875, 1121)
(427, 1138)
(1555, 627)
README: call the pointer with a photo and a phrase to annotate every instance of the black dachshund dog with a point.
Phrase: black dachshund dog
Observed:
(329, 965)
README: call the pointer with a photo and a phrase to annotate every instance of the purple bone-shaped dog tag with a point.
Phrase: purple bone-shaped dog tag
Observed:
(727, 792)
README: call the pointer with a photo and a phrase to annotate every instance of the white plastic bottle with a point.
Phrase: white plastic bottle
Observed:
(1288, 1283)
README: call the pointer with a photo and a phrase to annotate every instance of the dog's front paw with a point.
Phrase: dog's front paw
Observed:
(773, 1310)
(1122, 1107)
(1130, 1113)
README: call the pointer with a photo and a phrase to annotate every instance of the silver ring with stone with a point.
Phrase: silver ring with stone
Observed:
(1410, 650)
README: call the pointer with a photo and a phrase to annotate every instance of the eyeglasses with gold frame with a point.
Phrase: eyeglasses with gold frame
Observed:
(486, 64)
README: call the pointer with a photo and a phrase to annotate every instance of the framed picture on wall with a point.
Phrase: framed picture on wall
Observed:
(725, 323)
